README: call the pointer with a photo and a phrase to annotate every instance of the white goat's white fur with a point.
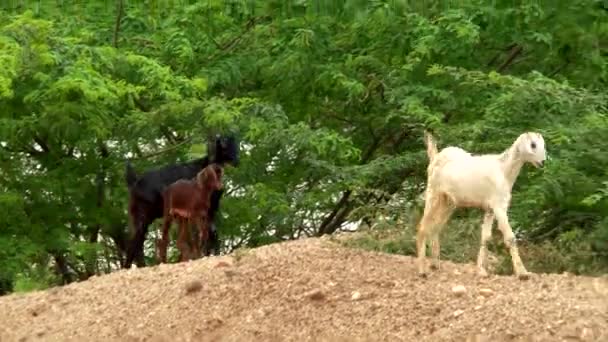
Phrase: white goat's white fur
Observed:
(456, 178)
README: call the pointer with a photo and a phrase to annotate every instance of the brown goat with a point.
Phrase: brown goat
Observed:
(188, 201)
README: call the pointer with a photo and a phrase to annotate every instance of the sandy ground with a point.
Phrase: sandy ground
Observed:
(310, 290)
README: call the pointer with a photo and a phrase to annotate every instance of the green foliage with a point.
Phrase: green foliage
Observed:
(38, 278)
(329, 98)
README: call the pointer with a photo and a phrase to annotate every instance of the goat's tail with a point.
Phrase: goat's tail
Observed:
(130, 175)
(431, 146)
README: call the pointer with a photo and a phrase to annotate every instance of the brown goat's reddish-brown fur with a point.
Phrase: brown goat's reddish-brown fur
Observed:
(188, 202)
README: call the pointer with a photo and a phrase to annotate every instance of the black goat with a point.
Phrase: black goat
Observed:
(146, 194)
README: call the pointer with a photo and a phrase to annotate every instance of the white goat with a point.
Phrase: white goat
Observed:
(458, 179)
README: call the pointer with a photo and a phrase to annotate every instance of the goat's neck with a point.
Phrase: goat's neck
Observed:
(511, 164)
(206, 193)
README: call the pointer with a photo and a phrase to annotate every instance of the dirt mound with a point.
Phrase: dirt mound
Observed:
(310, 290)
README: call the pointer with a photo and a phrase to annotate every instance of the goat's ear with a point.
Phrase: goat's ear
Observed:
(200, 177)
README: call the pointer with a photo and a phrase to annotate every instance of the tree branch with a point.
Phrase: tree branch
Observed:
(338, 220)
(165, 150)
(324, 229)
(25, 149)
(494, 59)
(119, 14)
(70, 153)
(329, 223)
(236, 40)
(515, 51)
(144, 41)
(100, 183)
(333, 221)
(217, 45)
(168, 135)
(42, 143)
(559, 68)
(339, 118)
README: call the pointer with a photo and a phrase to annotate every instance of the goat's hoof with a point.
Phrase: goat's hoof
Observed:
(483, 273)
(524, 276)
(435, 267)
(423, 274)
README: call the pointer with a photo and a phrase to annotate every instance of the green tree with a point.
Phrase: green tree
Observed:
(330, 99)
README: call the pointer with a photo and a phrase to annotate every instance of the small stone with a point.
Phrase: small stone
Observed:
(315, 294)
(459, 290)
(477, 307)
(193, 286)
(390, 284)
(458, 313)
(356, 295)
(486, 292)
(222, 264)
(229, 273)
(587, 334)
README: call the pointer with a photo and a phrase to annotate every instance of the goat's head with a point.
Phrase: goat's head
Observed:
(531, 148)
(224, 149)
(211, 177)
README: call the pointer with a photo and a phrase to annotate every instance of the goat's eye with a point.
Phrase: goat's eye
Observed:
(533, 145)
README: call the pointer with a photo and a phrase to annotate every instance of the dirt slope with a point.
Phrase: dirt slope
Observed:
(309, 290)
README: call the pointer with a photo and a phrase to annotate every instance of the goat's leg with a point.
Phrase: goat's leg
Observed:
(182, 241)
(435, 250)
(203, 231)
(195, 239)
(486, 235)
(187, 236)
(213, 243)
(164, 240)
(136, 245)
(421, 246)
(425, 227)
(444, 212)
(509, 239)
